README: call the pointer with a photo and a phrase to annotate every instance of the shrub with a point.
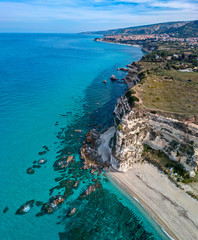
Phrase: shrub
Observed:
(153, 112)
(142, 75)
(120, 127)
(129, 93)
(133, 99)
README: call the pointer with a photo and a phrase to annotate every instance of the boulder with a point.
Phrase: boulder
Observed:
(72, 212)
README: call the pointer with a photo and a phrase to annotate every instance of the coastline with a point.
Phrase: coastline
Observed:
(171, 209)
(167, 204)
(114, 177)
(124, 44)
(131, 194)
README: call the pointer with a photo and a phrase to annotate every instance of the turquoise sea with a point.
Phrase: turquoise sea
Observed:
(51, 85)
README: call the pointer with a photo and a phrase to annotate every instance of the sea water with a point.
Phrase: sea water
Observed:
(51, 85)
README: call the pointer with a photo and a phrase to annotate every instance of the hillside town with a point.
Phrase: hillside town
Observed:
(154, 37)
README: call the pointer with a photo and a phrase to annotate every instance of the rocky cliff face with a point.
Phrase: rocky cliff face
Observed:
(178, 140)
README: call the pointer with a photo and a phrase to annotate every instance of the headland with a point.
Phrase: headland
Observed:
(152, 149)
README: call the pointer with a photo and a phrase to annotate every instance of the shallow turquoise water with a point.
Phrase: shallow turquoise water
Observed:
(47, 79)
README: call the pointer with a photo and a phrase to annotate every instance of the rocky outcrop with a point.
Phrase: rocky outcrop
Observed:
(134, 128)
(121, 109)
(89, 150)
(113, 78)
(132, 78)
(123, 69)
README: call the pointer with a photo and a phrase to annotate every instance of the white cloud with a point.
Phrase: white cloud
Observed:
(89, 15)
(177, 4)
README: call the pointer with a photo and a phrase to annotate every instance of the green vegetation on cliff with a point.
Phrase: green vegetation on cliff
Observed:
(169, 79)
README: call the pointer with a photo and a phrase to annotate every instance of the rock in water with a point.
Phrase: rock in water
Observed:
(78, 130)
(42, 161)
(123, 69)
(25, 208)
(72, 212)
(69, 159)
(42, 153)
(5, 210)
(39, 203)
(76, 184)
(53, 204)
(30, 170)
(113, 78)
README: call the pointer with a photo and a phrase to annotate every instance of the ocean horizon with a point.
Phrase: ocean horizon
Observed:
(52, 93)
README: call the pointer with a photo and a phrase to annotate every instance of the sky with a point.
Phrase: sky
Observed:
(71, 16)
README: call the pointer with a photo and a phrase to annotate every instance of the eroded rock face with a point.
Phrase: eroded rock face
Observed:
(178, 140)
(121, 109)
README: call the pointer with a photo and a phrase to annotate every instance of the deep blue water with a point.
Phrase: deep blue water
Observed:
(50, 85)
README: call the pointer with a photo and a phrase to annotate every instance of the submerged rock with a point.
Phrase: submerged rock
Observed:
(53, 204)
(46, 148)
(5, 210)
(60, 164)
(76, 184)
(63, 162)
(30, 170)
(39, 203)
(78, 130)
(70, 158)
(36, 166)
(91, 189)
(58, 179)
(72, 212)
(42, 153)
(25, 208)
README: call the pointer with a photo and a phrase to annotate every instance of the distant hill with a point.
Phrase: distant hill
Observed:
(188, 30)
(178, 29)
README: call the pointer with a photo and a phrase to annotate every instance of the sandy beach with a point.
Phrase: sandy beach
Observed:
(174, 210)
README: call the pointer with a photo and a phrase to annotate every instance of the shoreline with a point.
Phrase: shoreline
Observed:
(170, 209)
(124, 44)
(162, 225)
(169, 206)
(105, 152)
